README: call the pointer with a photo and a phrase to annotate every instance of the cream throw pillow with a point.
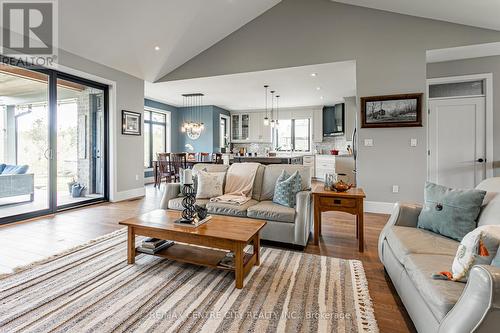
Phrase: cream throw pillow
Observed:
(209, 184)
(478, 247)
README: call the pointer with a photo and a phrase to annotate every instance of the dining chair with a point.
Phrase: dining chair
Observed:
(217, 158)
(178, 161)
(203, 157)
(164, 167)
(191, 157)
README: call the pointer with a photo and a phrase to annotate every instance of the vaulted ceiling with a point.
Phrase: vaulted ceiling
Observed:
(123, 34)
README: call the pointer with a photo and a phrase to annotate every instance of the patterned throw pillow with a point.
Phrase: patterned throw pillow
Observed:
(286, 189)
(209, 184)
(450, 212)
(478, 247)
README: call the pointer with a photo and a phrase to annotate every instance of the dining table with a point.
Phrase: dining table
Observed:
(189, 164)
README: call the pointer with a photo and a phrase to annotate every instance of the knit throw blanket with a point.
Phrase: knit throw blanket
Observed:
(239, 184)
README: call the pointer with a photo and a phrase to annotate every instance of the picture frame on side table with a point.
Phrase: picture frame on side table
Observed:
(131, 123)
(404, 110)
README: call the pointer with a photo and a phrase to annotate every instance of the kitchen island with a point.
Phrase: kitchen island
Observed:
(268, 159)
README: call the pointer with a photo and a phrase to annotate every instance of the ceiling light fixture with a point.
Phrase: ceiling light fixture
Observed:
(157, 48)
(266, 118)
(318, 88)
(193, 127)
(273, 123)
(320, 97)
(277, 110)
(314, 74)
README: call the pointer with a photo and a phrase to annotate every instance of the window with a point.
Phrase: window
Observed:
(293, 134)
(224, 132)
(156, 126)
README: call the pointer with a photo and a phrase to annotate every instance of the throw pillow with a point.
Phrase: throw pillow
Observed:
(478, 247)
(209, 184)
(450, 212)
(286, 189)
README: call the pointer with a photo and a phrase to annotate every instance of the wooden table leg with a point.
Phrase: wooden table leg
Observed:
(357, 227)
(317, 221)
(131, 246)
(360, 227)
(238, 266)
(256, 248)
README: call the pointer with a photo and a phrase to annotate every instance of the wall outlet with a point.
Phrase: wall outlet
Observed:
(395, 188)
(368, 142)
(136, 177)
(413, 142)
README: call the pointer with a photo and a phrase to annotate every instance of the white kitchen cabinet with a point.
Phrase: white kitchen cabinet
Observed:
(317, 126)
(324, 164)
(308, 160)
(249, 127)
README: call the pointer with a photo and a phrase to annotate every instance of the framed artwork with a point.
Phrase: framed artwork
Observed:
(391, 111)
(131, 123)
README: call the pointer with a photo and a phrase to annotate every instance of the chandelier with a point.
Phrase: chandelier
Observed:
(192, 110)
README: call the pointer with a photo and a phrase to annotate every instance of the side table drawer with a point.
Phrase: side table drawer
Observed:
(337, 202)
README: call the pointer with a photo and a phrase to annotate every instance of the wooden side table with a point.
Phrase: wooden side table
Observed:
(349, 202)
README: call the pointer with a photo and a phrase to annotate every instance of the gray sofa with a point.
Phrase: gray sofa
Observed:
(284, 224)
(411, 255)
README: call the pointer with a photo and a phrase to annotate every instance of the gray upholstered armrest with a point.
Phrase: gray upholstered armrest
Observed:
(405, 215)
(478, 309)
(303, 217)
(172, 191)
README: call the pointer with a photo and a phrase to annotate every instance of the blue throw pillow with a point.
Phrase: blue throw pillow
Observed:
(286, 189)
(450, 212)
(15, 169)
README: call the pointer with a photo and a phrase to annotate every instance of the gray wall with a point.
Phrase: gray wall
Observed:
(389, 50)
(129, 96)
(476, 66)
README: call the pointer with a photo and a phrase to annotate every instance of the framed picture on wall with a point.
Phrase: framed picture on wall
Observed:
(131, 123)
(403, 110)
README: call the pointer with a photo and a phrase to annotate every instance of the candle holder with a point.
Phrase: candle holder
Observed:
(189, 211)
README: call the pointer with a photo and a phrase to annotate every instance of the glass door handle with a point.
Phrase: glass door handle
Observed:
(480, 160)
(48, 154)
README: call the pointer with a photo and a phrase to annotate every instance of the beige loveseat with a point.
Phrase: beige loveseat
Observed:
(284, 224)
(411, 255)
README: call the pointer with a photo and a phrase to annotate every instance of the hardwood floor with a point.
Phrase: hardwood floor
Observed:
(24, 242)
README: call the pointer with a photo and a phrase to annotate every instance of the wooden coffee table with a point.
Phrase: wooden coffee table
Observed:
(205, 245)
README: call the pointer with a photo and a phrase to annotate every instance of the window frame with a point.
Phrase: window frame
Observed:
(293, 138)
(149, 122)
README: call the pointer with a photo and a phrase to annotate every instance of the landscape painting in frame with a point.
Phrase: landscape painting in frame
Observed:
(391, 111)
(131, 123)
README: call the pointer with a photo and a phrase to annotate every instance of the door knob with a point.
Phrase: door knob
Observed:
(480, 160)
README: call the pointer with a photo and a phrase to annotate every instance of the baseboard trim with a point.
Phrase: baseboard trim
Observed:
(130, 194)
(379, 207)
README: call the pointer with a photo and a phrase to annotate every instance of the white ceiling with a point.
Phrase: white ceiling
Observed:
(122, 34)
(483, 13)
(245, 91)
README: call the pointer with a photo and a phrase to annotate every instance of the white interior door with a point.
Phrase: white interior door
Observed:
(457, 141)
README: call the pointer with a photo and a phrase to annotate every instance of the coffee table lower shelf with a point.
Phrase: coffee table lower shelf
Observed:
(202, 256)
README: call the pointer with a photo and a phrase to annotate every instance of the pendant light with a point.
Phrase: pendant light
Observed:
(277, 110)
(272, 109)
(266, 118)
(193, 127)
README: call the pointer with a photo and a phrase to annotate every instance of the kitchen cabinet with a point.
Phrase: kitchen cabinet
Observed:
(324, 164)
(249, 127)
(308, 160)
(317, 126)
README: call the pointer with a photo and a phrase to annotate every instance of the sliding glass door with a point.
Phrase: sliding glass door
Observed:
(80, 142)
(53, 142)
(24, 141)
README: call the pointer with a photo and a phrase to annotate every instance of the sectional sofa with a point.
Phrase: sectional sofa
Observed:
(284, 224)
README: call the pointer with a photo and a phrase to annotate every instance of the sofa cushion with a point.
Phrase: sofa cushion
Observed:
(273, 171)
(408, 240)
(270, 211)
(230, 209)
(14, 169)
(257, 183)
(176, 203)
(491, 205)
(439, 295)
(450, 212)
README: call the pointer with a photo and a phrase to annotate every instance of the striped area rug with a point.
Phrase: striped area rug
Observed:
(92, 289)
